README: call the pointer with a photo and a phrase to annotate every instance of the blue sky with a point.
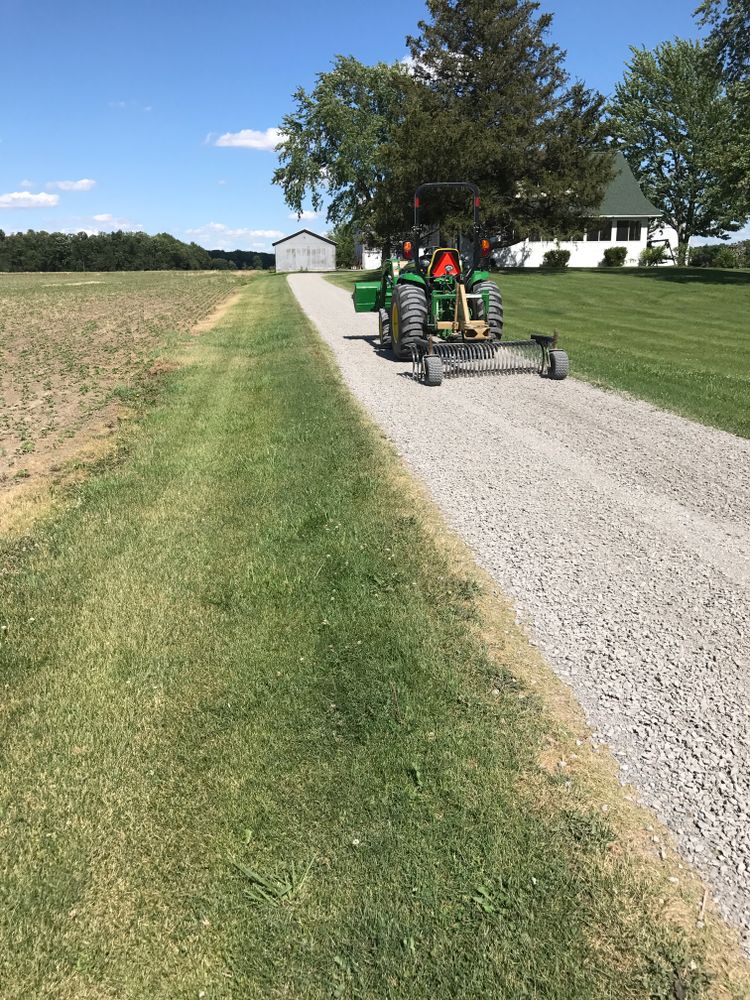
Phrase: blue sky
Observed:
(112, 115)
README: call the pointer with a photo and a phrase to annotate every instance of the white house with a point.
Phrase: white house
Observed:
(305, 251)
(622, 220)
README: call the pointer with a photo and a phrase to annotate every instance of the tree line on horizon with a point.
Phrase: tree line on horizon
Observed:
(37, 250)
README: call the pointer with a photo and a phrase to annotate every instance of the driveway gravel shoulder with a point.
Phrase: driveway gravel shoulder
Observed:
(622, 533)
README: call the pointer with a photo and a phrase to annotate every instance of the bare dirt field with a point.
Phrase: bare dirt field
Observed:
(72, 349)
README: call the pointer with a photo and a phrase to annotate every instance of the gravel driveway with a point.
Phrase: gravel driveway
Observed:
(623, 534)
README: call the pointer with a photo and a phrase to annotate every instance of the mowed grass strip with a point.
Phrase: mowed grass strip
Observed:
(677, 337)
(251, 744)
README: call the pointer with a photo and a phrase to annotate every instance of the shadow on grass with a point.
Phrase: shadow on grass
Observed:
(675, 275)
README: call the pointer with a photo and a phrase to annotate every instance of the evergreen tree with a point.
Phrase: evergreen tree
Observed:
(343, 237)
(491, 103)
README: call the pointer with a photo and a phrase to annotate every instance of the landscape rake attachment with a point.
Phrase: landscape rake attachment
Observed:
(536, 356)
(445, 314)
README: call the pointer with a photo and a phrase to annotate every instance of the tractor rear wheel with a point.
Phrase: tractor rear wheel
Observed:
(494, 317)
(408, 319)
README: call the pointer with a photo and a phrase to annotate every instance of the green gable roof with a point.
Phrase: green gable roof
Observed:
(624, 197)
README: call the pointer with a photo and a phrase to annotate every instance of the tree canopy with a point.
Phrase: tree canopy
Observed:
(728, 46)
(485, 98)
(683, 139)
(729, 21)
(492, 103)
(333, 142)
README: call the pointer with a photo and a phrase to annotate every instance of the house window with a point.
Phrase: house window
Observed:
(599, 229)
(628, 231)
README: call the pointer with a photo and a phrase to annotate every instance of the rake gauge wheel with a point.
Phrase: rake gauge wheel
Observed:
(432, 368)
(408, 319)
(559, 366)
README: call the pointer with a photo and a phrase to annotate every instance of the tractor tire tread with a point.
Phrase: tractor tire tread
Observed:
(384, 328)
(432, 367)
(495, 317)
(559, 365)
(411, 302)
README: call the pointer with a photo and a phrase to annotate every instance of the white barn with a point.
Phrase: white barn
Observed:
(305, 251)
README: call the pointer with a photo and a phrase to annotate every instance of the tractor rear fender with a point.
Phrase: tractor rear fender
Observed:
(412, 279)
(479, 276)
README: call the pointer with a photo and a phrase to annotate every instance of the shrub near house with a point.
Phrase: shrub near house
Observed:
(615, 257)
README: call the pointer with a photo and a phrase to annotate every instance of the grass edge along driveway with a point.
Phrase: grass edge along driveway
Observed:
(254, 746)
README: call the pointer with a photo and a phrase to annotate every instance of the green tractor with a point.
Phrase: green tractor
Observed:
(442, 312)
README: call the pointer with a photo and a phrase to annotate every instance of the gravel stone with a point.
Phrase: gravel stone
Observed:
(622, 533)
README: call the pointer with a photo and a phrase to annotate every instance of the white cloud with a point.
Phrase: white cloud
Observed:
(26, 183)
(249, 138)
(72, 230)
(112, 222)
(411, 65)
(217, 236)
(304, 215)
(85, 184)
(24, 199)
(130, 104)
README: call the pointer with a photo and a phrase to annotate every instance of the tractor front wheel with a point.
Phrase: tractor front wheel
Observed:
(408, 319)
(494, 315)
(384, 328)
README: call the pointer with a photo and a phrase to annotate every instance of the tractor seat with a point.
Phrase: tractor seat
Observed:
(444, 263)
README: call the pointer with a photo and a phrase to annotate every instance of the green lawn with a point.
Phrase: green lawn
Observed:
(251, 746)
(677, 337)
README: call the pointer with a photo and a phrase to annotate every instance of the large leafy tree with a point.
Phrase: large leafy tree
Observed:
(491, 103)
(345, 238)
(682, 138)
(728, 45)
(729, 21)
(332, 146)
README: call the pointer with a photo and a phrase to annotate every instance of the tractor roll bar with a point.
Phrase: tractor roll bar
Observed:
(418, 204)
(446, 184)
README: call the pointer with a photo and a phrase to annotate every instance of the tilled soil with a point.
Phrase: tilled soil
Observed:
(72, 347)
(622, 532)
